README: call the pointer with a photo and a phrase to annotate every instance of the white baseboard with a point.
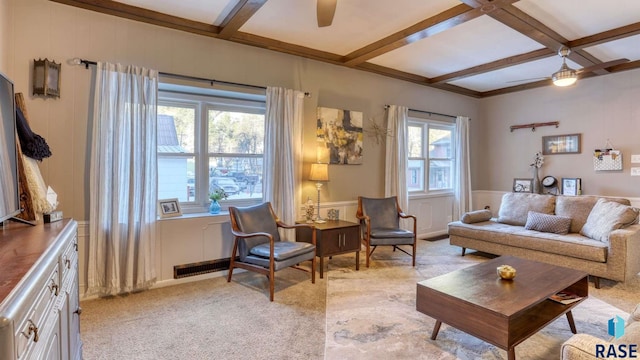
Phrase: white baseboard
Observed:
(432, 234)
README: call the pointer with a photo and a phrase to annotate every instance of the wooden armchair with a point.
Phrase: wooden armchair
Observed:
(258, 245)
(380, 225)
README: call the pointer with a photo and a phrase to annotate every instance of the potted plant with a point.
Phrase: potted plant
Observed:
(217, 195)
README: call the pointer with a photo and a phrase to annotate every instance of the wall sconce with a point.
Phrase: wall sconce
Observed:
(46, 78)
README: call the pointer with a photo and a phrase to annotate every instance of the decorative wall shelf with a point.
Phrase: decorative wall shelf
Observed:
(533, 126)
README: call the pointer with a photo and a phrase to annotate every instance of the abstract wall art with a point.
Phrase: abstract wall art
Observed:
(339, 132)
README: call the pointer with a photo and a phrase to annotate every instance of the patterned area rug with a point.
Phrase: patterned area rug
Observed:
(371, 313)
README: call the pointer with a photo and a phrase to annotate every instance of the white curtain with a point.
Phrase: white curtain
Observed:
(462, 180)
(283, 151)
(395, 182)
(123, 180)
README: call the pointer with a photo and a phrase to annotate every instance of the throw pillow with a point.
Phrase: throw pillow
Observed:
(515, 207)
(579, 207)
(548, 223)
(607, 216)
(476, 216)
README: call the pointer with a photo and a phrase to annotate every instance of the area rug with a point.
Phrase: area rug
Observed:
(365, 314)
(371, 314)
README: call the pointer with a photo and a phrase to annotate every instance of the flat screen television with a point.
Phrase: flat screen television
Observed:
(9, 193)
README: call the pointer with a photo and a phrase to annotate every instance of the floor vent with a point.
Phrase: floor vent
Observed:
(199, 268)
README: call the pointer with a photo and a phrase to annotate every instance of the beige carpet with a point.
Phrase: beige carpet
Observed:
(366, 314)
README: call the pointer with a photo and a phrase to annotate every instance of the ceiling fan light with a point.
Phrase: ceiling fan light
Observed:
(565, 76)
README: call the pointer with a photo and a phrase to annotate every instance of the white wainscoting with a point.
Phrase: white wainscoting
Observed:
(195, 238)
(83, 240)
(433, 213)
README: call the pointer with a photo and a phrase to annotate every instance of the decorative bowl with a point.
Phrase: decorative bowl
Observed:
(506, 272)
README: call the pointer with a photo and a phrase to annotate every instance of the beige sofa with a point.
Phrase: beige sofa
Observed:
(587, 347)
(598, 235)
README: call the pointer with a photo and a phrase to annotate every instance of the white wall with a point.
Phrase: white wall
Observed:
(600, 108)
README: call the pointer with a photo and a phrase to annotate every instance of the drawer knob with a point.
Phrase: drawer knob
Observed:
(79, 311)
(68, 263)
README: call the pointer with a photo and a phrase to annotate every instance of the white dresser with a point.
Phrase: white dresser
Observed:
(39, 300)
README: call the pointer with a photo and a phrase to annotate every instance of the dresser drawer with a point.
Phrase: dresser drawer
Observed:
(40, 294)
(30, 323)
(69, 259)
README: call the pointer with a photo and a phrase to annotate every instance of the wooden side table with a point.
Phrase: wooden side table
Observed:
(334, 237)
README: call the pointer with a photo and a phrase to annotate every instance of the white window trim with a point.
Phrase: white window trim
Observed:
(426, 193)
(204, 100)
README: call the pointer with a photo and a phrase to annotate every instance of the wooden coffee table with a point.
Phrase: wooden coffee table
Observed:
(501, 312)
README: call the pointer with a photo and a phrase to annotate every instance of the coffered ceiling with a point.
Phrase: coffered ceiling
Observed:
(477, 48)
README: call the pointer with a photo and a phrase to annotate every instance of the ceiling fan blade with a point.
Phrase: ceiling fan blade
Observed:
(325, 11)
(602, 66)
(527, 80)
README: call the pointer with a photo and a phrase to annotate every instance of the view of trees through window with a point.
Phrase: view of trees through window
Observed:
(430, 150)
(208, 146)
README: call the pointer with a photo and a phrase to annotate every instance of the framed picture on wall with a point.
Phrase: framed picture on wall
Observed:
(571, 186)
(561, 144)
(523, 185)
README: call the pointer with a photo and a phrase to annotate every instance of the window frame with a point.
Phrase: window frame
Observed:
(205, 100)
(425, 124)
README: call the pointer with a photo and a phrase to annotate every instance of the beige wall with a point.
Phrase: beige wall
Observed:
(6, 35)
(601, 108)
(60, 32)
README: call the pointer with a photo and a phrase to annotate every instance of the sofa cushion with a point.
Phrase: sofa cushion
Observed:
(476, 216)
(548, 223)
(631, 335)
(607, 216)
(634, 316)
(572, 245)
(578, 208)
(515, 207)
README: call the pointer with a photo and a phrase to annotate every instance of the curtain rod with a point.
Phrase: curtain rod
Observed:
(429, 112)
(86, 63)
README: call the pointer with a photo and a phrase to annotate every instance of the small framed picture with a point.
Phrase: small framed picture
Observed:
(523, 185)
(561, 144)
(169, 208)
(571, 186)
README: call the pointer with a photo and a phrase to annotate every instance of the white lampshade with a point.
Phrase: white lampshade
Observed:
(319, 172)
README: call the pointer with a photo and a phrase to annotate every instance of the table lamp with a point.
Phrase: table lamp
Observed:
(319, 173)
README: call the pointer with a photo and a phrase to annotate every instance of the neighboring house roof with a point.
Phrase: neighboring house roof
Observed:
(445, 140)
(167, 135)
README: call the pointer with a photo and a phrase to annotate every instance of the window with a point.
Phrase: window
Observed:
(209, 140)
(431, 156)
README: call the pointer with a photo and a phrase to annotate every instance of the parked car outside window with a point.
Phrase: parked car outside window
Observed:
(227, 184)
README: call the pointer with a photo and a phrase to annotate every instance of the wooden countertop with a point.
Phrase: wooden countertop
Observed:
(21, 246)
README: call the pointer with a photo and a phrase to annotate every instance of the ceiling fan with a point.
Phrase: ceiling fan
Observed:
(566, 76)
(325, 10)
